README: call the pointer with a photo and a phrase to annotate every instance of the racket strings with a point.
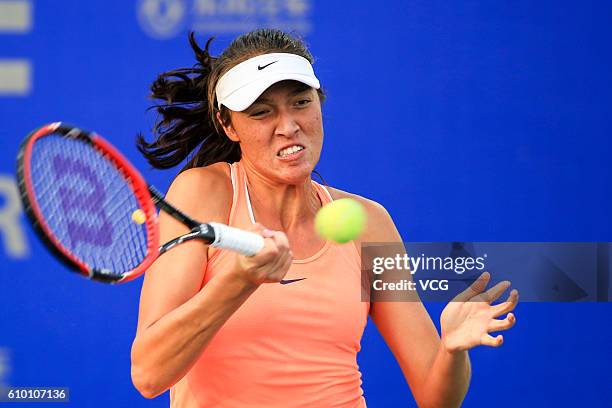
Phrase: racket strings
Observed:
(56, 215)
(137, 244)
(87, 204)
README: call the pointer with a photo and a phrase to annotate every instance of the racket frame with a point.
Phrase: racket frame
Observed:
(133, 177)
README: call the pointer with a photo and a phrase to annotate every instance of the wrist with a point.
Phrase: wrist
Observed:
(448, 347)
(240, 282)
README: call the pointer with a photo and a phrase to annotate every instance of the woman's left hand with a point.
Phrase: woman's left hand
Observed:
(469, 318)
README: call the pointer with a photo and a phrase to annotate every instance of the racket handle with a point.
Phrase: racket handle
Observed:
(247, 243)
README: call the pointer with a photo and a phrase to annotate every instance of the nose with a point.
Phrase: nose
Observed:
(287, 124)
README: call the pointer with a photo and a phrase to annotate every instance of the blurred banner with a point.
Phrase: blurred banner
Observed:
(169, 18)
(439, 271)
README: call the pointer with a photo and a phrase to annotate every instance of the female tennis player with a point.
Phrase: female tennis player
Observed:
(217, 328)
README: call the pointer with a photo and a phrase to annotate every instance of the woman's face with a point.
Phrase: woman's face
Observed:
(281, 133)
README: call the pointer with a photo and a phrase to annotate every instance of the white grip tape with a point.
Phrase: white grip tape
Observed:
(247, 243)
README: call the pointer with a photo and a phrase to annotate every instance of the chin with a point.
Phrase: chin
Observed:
(296, 175)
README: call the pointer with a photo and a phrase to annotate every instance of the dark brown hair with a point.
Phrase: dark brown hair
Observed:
(186, 126)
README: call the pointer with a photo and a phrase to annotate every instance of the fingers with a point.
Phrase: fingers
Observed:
(272, 263)
(277, 257)
(275, 243)
(506, 306)
(474, 289)
(279, 245)
(282, 254)
(284, 268)
(257, 228)
(281, 240)
(494, 293)
(488, 340)
(502, 324)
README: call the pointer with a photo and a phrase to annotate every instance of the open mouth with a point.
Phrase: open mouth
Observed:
(290, 150)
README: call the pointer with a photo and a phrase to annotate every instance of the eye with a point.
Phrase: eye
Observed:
(258, 112)
(302, 102)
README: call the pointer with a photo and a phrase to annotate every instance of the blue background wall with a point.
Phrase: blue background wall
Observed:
(472, 121)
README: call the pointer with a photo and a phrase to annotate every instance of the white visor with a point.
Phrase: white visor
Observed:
(239, 87)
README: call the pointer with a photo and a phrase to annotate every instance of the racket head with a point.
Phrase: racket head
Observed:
(80, 194)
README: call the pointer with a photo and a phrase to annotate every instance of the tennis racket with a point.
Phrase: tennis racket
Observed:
(96, 213)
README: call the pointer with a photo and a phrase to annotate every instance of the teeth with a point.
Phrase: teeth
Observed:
(290, 150)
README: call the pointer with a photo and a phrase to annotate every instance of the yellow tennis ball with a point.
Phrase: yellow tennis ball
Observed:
(139, 217)
(341, 220)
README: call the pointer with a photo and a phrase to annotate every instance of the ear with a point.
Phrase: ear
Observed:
(228, 129)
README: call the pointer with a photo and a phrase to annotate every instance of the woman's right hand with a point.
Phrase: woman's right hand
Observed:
(270, 265)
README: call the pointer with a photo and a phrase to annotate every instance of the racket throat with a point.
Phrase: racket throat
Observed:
(202, 231)
(161, 203)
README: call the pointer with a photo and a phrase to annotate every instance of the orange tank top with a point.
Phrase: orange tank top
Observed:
(289, 345)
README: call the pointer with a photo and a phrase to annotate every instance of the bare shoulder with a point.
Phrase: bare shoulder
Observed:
(204, 193)
(380, 226)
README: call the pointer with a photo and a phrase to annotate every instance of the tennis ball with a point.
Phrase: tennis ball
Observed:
(139, 217)
(341, 220)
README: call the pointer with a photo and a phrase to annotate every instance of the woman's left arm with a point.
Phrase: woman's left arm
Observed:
(437, 370)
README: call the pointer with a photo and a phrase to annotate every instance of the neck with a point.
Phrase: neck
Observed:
(281, 206)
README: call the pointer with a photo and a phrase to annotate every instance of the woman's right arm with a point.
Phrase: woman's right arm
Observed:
(176, 319)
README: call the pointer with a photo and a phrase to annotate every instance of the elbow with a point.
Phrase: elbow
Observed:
(429, 403)
(144, 383)
(147, 384)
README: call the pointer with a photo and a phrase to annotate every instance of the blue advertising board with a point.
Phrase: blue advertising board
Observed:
(468, 121)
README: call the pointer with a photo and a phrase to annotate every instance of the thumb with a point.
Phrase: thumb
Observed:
(260, 229)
